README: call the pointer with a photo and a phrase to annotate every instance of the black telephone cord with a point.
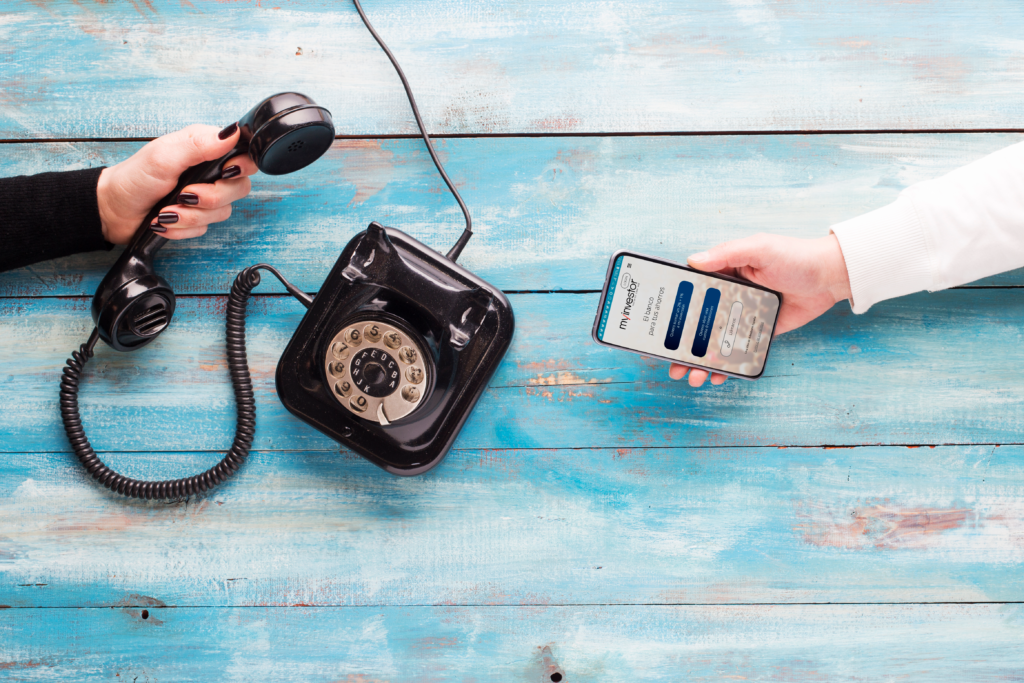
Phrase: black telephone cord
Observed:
(238, 366)
(460, 244)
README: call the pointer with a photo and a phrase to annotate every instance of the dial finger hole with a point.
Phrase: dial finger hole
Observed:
(372, 333)
(393, 339)
(343, 388)
(353, 336)
(340, 350)
(410, 393)
(338, 369)
(414, 375)
(358, 404)
(407, 355)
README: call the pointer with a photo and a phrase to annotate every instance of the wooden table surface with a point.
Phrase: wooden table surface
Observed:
(858, 514)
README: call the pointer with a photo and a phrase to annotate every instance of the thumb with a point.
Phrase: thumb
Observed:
(750, 251)
(169, 156)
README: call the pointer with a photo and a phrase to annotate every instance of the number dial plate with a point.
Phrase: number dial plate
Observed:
(362, 363)
(376, 373)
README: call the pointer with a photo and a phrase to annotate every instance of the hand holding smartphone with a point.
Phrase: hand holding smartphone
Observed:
(670, 311)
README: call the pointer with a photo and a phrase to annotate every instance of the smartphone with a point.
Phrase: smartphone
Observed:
(702, 320)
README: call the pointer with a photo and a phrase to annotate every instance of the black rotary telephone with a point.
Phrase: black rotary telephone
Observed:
(393, 354)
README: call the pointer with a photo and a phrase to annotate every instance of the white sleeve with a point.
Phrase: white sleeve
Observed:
(940, 233)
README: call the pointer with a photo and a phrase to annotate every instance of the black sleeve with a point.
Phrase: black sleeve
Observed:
(49, 215)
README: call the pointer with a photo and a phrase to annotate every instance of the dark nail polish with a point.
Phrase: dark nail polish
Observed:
(230, 172)
(156, 227)
(167, 217)
(188, 198)
(228, 132)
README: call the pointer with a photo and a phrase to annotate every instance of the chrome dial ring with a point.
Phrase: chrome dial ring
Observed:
(376, 371)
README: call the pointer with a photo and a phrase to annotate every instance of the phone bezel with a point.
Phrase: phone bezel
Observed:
(719, 276)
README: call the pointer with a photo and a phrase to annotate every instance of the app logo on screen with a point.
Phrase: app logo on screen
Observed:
(630, 285)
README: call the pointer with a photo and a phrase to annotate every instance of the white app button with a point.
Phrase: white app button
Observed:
(731, 328)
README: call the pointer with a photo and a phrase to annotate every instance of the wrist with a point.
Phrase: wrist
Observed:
(837, 277)
(103, 191)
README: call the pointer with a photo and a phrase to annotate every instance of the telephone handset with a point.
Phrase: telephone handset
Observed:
(282, 134)
(390, 359)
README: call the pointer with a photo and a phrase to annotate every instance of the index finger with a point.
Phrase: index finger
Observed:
(677, 371)
(246, 165)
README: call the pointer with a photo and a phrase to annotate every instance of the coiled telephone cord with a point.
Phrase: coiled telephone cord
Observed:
(237, 363)
(245, 403)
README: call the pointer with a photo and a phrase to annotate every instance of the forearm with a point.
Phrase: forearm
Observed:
(940, 233)
(49, 215)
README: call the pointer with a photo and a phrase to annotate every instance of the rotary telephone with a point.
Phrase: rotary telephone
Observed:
(392, 354)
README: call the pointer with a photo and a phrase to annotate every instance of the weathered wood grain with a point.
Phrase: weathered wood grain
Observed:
(922, 369)
(596, 520)
(524, 527)
(955, 643)
(548, 212)
(131, 69)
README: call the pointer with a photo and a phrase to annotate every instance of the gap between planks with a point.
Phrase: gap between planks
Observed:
(627, 134)
(285, 295)
(827, 447)
(526, 605)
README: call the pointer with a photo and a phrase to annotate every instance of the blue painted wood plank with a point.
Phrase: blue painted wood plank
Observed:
(74, 70)
(548, 212)
(882, 378)
(843, 643)
(552, 498)
(524, 527)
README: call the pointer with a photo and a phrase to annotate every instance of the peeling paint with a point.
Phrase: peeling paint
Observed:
(880, 526)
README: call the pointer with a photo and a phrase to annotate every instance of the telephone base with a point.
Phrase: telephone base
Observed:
(395, 351)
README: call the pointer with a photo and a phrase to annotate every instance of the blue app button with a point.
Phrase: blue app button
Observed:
(679, 309)
(706, 323)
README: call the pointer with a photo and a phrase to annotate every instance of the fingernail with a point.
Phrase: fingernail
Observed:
(156, 227)
(188, 198)
(699, 256)
(230, 172)
(228, 132)
(167, 217)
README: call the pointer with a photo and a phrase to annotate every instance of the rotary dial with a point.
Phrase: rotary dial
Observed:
(376, 371)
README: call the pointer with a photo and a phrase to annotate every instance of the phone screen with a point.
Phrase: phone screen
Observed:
(673, 312)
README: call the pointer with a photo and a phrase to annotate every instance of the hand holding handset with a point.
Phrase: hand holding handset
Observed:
(133, 305)
(282, 134)
(709, 321)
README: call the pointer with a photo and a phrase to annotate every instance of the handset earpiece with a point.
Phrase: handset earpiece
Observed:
(282, 134)
(286, 132)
